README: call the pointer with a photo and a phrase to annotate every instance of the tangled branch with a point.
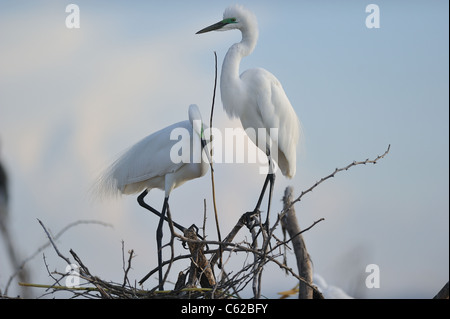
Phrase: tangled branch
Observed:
(227, 284)
(264, 247)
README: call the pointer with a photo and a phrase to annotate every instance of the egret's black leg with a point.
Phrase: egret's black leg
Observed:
(250, 222)
(263, 191)
(159, 236)
(141, 202)
(271, 184)
(270, 179)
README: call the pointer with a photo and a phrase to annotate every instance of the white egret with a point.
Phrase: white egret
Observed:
(329, 291)
(257, 98)
(150, 164)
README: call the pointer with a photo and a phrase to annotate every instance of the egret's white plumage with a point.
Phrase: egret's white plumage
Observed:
(256, 97)
(148, 163)
(153, 163)
(329, 291)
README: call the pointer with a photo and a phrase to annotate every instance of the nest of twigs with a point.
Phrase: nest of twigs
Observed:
(199, 281)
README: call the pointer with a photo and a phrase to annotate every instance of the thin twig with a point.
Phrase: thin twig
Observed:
(53, 243)
(337, 170)
(212, 170)
(126, 270)
(300, 232)
(43, 247)
(204, 218)
(81, 222)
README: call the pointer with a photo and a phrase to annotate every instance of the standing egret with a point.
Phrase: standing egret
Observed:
(257, 98)
(154, 163)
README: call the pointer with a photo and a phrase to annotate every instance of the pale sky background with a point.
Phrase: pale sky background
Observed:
(72, 99)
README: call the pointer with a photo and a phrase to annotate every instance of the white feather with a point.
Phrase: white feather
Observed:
(148, 163)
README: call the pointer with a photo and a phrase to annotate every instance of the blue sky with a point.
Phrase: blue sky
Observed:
(72, 99)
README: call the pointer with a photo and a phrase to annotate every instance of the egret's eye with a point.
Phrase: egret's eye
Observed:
(230, 20)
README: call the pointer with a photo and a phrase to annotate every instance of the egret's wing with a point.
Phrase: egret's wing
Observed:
(277, 112)
(148, 158)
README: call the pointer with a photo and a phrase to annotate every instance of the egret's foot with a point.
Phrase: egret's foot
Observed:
(250, 218)
(196, 229)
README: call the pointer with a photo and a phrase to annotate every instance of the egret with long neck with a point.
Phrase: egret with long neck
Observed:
(149, 164)
(257, 98)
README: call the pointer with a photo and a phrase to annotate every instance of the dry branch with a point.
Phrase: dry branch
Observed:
(67, 260)
(213, 186)
(200, 268)
(337, 170)
(290, 224)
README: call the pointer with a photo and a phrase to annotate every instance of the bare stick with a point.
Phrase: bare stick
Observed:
(200, 266)
(289, 222)
(93, 280)
(337, 170)
(214, 92)
(230, 237)
(126, 270)
(40, 249)
(301, 232)
(212, 170)
(54, 245)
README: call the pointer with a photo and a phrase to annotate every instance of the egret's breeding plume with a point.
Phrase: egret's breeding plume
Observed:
(257, 98)
(155, 162)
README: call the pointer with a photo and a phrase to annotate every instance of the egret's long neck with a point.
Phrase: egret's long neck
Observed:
(230, 67)
(229, 79)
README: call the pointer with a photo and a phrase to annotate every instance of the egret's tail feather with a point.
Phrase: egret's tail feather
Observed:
(106, 185)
